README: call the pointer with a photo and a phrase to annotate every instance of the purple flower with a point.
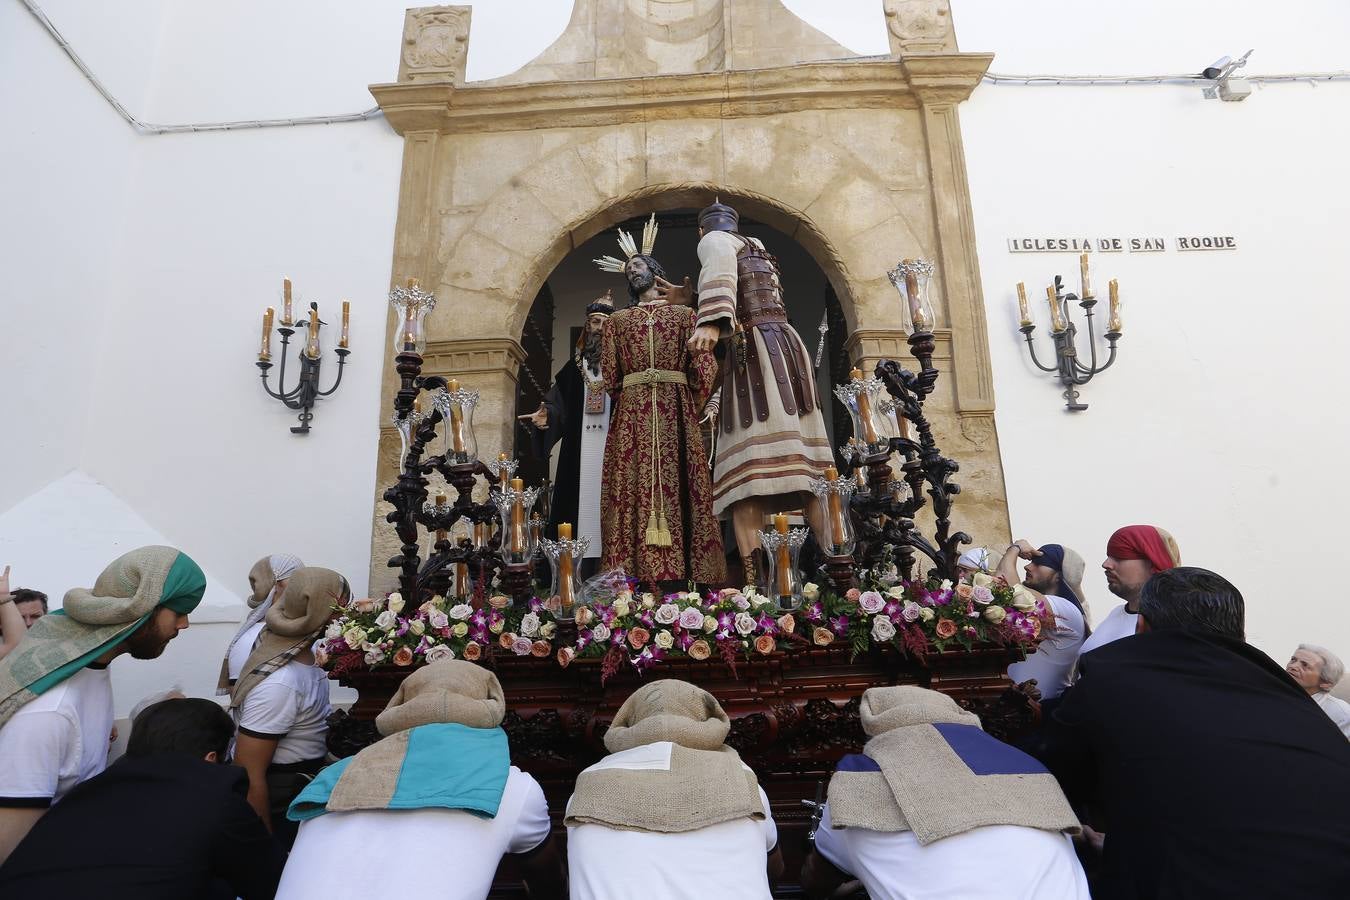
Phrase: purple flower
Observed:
(480, 619)
(766, 623)
(536, 604)
(481, 635)
(647, 619)
(740, 602)
(691, 618)
(813, 612)
(725, 621)
(871, 602)
(618, 636)
(686, 641)
(839, 625)
(891, 610)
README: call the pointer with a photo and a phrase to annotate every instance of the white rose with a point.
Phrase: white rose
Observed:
(995, 614)
(438, 619)
(709, 624)
(439, 652)
(946, 585)
(547, 630)
(761, 600)
(748, 590)
(694, 596)
(897, 592)
(926, 614)
(529, 625)
(461, 611)
(386, 620)
(665, 640)
(621, 608)
(334, 630)
(810, 590)
(438, 601)
(374, 658)
(667, 613)
(745, 623)
(417, 627)
(1023, 599)
(396, 603)
(980, 579)
(982, 595)
(648, 601)
(882, 628)
(600, 633)
(354, 637)
(691, 618)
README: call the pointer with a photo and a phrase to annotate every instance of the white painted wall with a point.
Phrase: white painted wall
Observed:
(145, 262)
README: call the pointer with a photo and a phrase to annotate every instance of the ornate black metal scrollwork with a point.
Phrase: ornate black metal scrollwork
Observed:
(306, 391)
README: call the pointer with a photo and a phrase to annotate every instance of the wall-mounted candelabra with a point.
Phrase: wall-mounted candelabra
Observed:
(1064, 333)
(306, 391)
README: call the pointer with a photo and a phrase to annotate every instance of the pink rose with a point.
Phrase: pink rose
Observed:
(699, 650)
(787, 623)
(364, 605)
(765, 644)
(403, 657)
(691, 618)
(945, 628)
(541, 649)
(964, 591)
(637, 636)
(871, 602)
(565, 656)
(499, 602)
(852, 594)
(822, 637)
(507, 640)
(472, 651)
(584, 616)
(522, 646)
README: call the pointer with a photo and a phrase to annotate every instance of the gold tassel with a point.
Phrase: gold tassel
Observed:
(662, 530)
(653, 534)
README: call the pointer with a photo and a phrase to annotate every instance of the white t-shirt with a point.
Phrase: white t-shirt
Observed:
(1335, 707)
(996, 862)
(290, 704)
(1117, 624)
(58, 740)
(1053, 660)
(724, 860)
(241, 648)
(405, 852)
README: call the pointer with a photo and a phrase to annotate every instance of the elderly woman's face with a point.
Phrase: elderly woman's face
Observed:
(1306, 668)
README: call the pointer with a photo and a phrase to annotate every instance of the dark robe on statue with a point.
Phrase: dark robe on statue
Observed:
(1216, 775)
(563, 403)
(656, 468)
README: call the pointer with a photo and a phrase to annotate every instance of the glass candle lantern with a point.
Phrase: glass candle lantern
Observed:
(784, 546)
(514, 505)
(407, 427)
(456, 405)
(912, 278)
(564, 560)
(411, 305)
(893, 417)
(834, 492)
(862, 397)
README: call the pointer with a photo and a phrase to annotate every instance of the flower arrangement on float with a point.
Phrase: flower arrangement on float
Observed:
(641, 629)
(368, 633)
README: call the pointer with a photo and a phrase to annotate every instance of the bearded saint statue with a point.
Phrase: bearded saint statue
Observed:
(773, 439)
(656, 512)
(576, 412)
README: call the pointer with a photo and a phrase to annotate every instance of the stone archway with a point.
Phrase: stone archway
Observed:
(858, 160)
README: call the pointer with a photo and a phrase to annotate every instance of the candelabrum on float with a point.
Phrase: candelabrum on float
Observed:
(306, 391)
(496, 539)
(784, 546)
(1064, 333)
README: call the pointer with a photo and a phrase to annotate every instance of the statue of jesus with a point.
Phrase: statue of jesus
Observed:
(656, 495)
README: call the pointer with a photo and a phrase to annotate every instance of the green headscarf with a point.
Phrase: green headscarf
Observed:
(94, 620)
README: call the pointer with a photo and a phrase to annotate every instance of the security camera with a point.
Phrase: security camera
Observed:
(1216, 69)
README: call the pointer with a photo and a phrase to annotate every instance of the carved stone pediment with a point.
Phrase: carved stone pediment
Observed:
(920, 26)
(435, 44)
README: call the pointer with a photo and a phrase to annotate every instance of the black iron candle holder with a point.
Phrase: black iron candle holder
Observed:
(306, 392)
(1072, 373)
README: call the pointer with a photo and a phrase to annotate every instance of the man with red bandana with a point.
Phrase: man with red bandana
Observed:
(1133, 554)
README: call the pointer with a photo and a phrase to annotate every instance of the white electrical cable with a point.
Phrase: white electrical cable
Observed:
(149, 128)
(990, 77)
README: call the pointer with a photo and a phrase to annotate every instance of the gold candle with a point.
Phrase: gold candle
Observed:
(1022, 304)
(480, 535)
(912, 295)
(461, 579)
(456, 417)
(836, 509)
(518, 516)
(860, 478)
(1056, 320)
(1083, 267)
(864, 409)
(565, 593)
(780, 524)
(440, 502)
(265, 352)
(312, 344)
(286, 318)
(1113, 323)
(502, 474)
(346, 323)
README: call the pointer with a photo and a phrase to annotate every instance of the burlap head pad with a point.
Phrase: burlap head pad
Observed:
(261, 580)
(443, 692)
(885, 708)
(291, 624)
(669, 710)
(127, 589)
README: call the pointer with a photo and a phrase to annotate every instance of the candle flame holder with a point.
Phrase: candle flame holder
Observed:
(785, 581)
(306, 392)
(1064, 334)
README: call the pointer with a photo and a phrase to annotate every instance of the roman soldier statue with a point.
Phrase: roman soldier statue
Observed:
(773, 439)
(576, 412)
